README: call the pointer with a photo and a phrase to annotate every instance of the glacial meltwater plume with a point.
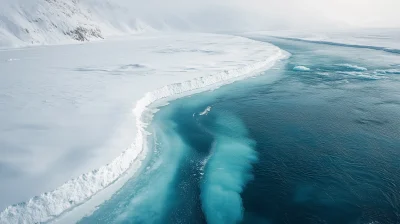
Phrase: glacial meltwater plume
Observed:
(227, 171)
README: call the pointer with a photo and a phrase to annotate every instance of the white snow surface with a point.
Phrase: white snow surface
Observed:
(67, 110)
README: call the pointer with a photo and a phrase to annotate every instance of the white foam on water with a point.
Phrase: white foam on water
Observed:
(388, 72)
(353, 67)
(362, 75)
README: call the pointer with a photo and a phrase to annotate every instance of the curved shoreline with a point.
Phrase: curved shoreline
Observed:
(48, 206)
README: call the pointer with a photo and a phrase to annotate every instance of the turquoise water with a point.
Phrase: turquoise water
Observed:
(295, 145)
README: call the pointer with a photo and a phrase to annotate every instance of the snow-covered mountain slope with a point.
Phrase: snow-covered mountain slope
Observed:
(66, 110)
(45, 21)
(40, 22)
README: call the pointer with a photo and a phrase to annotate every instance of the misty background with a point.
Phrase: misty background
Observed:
(266, 14)
(39, 22)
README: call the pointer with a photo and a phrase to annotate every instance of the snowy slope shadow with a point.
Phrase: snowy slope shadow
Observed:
(131, 69)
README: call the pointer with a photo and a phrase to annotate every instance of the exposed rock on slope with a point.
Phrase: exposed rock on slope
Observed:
(46, 22)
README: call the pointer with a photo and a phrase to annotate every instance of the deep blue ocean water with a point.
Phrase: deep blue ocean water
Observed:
(294, 145)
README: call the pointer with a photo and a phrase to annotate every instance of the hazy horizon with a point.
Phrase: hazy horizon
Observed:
(271, 14)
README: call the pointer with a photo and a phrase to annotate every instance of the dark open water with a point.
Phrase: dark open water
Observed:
(291, 146)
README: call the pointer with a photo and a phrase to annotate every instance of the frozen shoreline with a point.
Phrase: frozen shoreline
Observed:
(50, 205)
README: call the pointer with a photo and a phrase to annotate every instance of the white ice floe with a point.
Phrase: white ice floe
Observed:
(59, 120)
(301, 68)
(205, 111)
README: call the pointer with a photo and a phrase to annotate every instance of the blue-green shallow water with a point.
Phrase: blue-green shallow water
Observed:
(318, 146)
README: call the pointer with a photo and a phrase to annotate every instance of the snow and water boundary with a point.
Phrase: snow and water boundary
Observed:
(51, 205)
(374, 39)
(340, 44)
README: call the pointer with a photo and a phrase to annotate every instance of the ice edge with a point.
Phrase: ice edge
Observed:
(50, 205)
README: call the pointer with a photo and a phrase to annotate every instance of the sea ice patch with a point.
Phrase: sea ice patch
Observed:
(206, 111)
(301, 68)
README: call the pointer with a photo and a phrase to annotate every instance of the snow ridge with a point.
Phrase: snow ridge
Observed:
(50, 205)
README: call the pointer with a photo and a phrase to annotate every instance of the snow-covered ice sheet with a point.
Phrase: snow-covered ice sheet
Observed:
(378, 39)
(68, 110)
